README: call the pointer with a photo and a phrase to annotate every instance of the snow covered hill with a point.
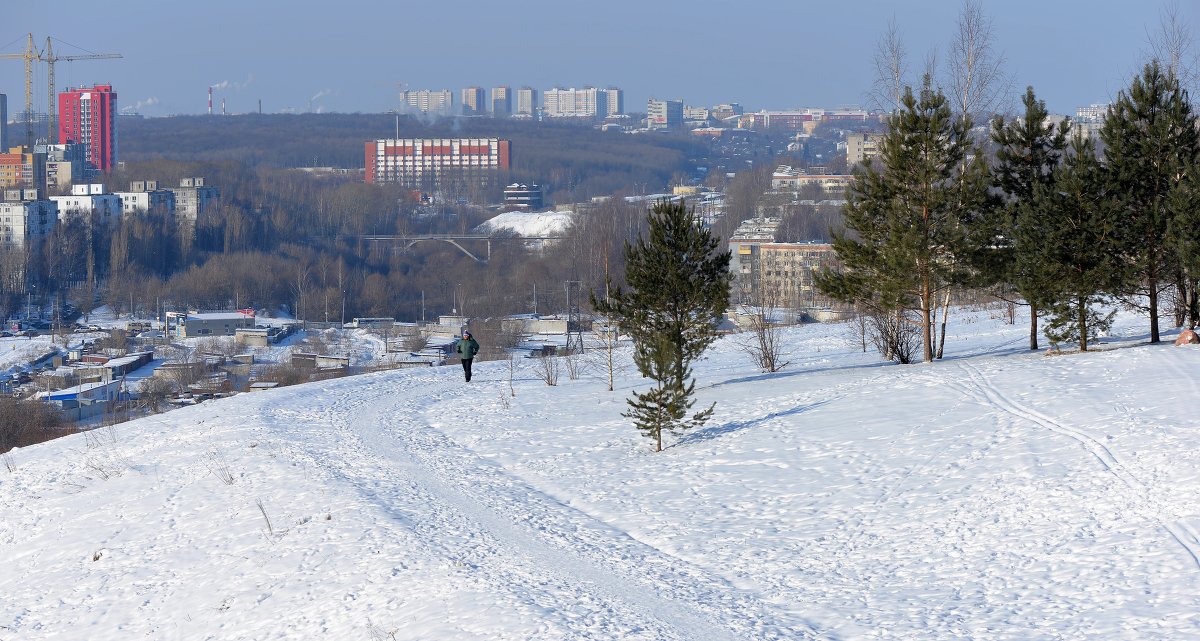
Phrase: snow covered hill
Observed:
(995, 495)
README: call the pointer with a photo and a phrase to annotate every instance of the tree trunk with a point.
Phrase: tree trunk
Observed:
(945, 315)
(1033, 326)
(1154, 338)
(926, 324)
(1193, 303)
(1082, 315)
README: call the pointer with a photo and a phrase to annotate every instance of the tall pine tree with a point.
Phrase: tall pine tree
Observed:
(1150, 139)
(1069, 228)
(678, 289)
(1029, 149)
(911, 218)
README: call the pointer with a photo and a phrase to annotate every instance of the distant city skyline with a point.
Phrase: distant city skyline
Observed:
(302, 56)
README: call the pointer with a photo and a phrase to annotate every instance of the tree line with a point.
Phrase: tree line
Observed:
(1058, 224)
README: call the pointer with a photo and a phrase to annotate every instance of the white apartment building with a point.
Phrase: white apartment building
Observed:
(527, 101)
(861, 148)
(664, 114)
(193, 198)
(427, 101)
(616, 101)
(145, 196)
(24, 224)
(588, 102)
(86, 199)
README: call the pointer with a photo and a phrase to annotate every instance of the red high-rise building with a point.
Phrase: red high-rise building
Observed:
(88, 116)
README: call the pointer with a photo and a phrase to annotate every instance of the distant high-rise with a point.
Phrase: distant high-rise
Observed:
(473, 101)
(501, 102)
(424, 163)
(588, 102)
(426, 101)
(3, 123)
(527, 101)
(88, 116)
(616, 101)
(664, 114)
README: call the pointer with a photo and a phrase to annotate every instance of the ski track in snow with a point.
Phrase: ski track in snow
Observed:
(1139, 494)
(593, 580)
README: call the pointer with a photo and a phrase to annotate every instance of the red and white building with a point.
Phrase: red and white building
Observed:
(428, 162)
(88, 116)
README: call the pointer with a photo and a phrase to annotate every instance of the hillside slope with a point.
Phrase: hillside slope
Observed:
(994, 495)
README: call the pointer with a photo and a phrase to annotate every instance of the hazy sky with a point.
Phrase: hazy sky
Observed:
(353, 55)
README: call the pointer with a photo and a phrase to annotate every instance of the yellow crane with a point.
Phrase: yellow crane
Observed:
(29, 55)
(49, 58)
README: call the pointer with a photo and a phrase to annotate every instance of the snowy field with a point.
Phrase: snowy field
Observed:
(997, 494)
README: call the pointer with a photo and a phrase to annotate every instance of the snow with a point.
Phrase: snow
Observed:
(998, 494)
(529, 224)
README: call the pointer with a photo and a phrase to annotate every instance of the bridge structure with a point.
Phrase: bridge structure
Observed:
(457, 240)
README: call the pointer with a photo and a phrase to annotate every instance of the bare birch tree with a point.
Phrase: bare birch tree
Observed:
(1173, 46)
(974, 74)
(891, 69)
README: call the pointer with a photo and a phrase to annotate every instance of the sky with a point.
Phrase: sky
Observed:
(355, 55)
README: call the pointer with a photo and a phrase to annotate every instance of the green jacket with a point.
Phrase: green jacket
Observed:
(467, 348)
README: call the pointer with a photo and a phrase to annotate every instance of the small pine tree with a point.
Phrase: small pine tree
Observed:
(678, 289)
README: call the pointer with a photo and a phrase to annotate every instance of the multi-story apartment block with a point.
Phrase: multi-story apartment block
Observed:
(502, 102)
(696, 114)
(427, 101)
(193, 198)
(145, 196)
(1092, 113)
(522, 196)
(428, 163)
(616, 101)
(802, 120)
(3, 122)
(527, 101)
(65, 166)
(861, 148)
(23, 224)
(664, 114)
(21, 168)
(789, 178)
(86, 200)
(473, 101)
(783, 274)
(588, 102)
(88, 116)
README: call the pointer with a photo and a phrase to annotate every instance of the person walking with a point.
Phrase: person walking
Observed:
(467, 349)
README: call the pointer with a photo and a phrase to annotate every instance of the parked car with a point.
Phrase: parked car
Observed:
(29, 333)
(4, 334)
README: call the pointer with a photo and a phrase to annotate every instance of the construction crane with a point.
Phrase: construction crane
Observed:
(29, 55)
(49, 58)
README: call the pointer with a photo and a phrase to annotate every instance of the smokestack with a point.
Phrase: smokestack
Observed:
(222, 106)
(210, 101)
(260, 106)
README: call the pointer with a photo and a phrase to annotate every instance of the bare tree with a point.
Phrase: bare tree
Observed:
(891, 69)
(975, 77)
(1173, 46)
(762, 340)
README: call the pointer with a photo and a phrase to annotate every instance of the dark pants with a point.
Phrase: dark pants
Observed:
(467, 368)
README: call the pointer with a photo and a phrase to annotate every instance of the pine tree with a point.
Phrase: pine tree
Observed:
(911, 218)
(1030, 148)
(1183, 238)
(678, 289)
(1150, 139)
(1069, 228)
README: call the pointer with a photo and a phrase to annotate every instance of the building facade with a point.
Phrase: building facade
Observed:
(428, 101)
(664, 114)
(24, 224)
(427, 162)
(616, 101)
(787, 178)
(527, 101)
(3, 122)
(65, 166)
(522, 196)
(145, 196)
(23, 169)
(862, 148)
(193, 198)
(589, 102)
(86, 200)
(502, 103)
(473, 101)
(88, 116)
